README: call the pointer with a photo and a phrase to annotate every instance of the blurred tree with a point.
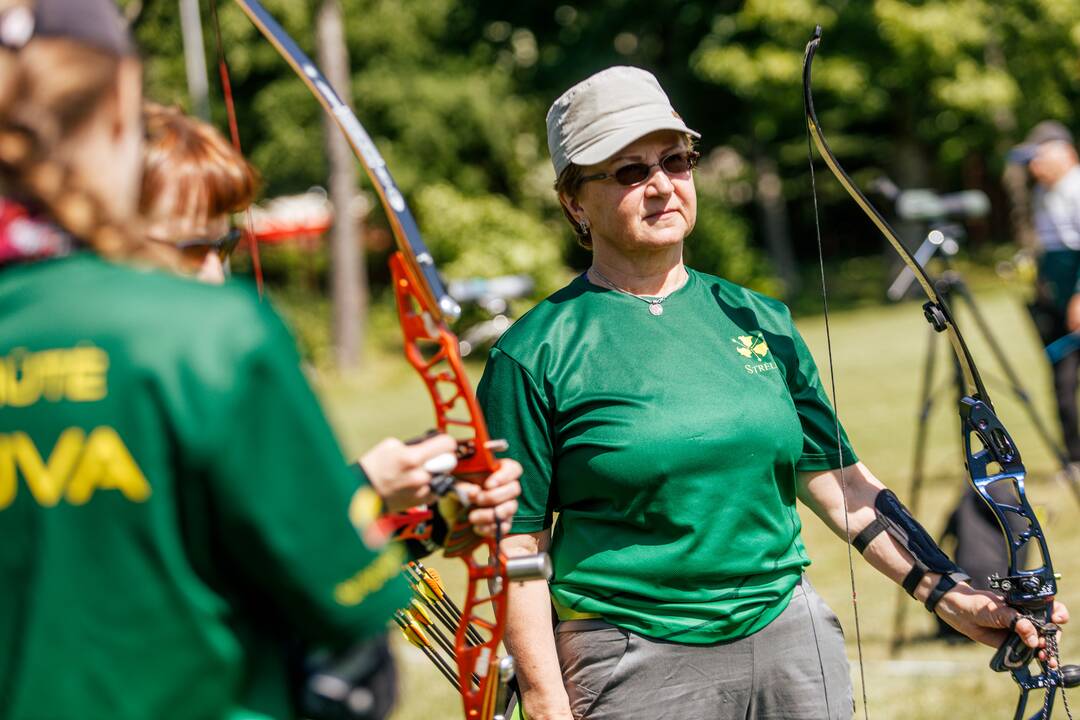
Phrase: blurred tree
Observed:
(929, 92)
(348, 276)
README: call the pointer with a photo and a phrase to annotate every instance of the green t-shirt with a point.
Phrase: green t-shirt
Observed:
(174, 507)
(669, 448)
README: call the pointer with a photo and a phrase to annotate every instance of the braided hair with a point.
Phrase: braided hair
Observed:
(50, 88)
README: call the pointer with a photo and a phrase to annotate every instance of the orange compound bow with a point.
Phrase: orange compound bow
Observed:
(433, 350)
(425, 309)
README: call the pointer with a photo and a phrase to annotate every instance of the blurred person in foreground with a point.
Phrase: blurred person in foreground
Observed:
(671, 419)
(1050, 156)
(175, 510)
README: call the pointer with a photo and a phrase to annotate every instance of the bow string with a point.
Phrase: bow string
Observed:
(234, 136)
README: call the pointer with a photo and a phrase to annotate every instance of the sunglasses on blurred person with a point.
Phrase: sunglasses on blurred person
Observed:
(196, 249)
(635, 173)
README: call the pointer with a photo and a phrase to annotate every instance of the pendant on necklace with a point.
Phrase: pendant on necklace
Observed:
(656, 308)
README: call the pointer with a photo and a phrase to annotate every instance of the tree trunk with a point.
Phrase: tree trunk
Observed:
(774, 220)
(348, 275)
(1014, 179)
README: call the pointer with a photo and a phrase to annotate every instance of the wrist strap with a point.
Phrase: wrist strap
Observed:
(944, 585)
(914, 577)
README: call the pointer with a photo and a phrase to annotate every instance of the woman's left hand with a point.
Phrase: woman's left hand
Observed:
(984, 617)
(495, 500)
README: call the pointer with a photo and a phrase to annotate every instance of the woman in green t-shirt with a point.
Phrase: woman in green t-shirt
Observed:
(671, 419)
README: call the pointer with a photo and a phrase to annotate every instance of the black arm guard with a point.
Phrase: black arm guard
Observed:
(894, 518)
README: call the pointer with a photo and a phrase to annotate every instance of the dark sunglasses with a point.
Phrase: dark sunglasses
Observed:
(634, 173)
(197, 248)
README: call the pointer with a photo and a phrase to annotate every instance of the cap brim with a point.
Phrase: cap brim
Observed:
(1022, 154)
(613, 143)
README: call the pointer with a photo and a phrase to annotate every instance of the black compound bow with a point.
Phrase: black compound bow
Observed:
(993, 464)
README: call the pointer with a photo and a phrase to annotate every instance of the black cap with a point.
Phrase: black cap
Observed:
(93, 22)
(1044, 132)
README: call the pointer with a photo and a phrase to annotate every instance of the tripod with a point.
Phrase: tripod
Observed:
(953, 290)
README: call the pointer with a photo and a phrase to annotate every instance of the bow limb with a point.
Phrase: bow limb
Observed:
(993, 461)
(404, 228)
(972, 382)
(424, 309)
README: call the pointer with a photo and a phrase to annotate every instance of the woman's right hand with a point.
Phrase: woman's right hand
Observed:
(495, 500)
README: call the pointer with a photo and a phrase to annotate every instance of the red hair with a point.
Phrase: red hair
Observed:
(190, 169)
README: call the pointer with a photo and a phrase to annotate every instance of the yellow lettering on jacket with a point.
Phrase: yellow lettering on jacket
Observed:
(76, 468)
(371, 579)
(76, 374)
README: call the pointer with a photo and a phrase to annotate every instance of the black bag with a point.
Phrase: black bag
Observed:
(359, 683)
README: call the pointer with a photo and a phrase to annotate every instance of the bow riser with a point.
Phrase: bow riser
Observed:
(1030, 588)
(433, 351)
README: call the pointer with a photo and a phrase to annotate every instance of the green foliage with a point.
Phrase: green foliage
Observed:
(486, 236)
(720, 245)
(473, 235)
(307, 314)
(929, 92)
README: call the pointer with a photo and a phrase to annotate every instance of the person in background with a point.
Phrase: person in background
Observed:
(193, 182)
(175, 509)
(1051, 160)
(671, 419)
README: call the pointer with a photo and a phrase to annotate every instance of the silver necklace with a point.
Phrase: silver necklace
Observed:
(655, 303)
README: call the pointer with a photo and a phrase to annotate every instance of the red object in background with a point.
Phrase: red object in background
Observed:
(292, 217)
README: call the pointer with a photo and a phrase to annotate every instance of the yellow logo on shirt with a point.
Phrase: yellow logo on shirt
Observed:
(754, 347)
(751, 345)
(74, 374)
(372, 578)
(78, 466)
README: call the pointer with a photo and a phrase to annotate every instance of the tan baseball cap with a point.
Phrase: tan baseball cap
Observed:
(1044, 132)
(604, 113)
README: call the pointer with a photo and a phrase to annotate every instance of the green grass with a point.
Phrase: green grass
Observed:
(878, 358)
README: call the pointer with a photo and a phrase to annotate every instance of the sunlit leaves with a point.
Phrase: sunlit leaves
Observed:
(976, 89)
(475, 235)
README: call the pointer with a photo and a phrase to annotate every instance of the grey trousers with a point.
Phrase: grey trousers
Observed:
(794, 669)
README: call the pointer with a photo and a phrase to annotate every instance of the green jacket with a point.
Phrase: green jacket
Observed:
(173, 505)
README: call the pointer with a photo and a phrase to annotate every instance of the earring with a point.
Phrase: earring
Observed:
(583, 227)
